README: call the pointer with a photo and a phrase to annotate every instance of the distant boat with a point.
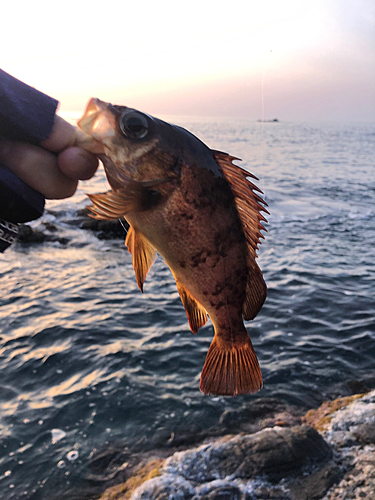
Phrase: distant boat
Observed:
(269, 121)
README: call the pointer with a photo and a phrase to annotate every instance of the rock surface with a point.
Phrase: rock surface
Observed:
(104, 229)
(273, 452)
(27, 234)
(284, 463)
(48, 232)
(351, 431)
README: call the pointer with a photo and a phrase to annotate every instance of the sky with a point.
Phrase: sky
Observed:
(288, 59)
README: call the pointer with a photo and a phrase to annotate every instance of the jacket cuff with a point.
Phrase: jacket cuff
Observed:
(18, 201)
(8, 234)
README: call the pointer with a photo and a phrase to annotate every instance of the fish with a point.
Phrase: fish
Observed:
(202, 213)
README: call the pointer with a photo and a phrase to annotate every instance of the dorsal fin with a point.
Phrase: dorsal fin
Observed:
(143, 254)
(195, 312)
(249, 207)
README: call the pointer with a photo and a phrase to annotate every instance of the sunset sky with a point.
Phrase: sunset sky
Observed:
(310, 60)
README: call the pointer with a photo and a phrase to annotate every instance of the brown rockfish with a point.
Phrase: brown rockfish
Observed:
(201, 213)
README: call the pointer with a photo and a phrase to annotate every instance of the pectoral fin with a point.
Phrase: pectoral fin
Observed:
(126, 196)
(143, 254)
(114, 204)
(195, 313)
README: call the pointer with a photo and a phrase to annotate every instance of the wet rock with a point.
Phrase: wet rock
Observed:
(27, 234)
(351, 387)
(106, 464)
(165, 487)
(230, 468)
(316, 484)
(104, 229)
(359, 481)
(350, 431)
(320, 418)
(50, 227)
(365, 433)
(272, 452)
(353, 423)
(265, 491)
(262, 413)
(218, 490)
(135, 474)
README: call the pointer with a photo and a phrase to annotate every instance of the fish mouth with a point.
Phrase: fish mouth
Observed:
(98, 122)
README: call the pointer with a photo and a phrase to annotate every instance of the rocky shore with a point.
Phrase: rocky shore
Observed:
(49, 232)
(329, 455)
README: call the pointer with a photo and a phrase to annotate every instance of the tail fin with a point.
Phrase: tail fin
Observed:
(231, 368)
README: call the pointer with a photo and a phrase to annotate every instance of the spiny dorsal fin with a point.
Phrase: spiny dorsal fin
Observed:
(249, 205)
(143, 254)
(195, 312)
(231, 368)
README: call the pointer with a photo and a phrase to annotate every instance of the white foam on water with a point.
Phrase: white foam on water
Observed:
(72, 455)
(57, 435)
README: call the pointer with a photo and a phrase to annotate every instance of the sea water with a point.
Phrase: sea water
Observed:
(89, 364)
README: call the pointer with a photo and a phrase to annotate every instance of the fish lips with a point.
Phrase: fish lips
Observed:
(97, 121)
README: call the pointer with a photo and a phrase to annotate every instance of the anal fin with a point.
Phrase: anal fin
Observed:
(143, 254)
(195, 312)
(231, 368)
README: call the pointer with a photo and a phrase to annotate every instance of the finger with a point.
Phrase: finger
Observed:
(62, 136)
(77, 163)
(38, 168)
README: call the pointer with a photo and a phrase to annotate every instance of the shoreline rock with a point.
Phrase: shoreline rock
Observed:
(104, 229)
(329, 456)
(48, 232)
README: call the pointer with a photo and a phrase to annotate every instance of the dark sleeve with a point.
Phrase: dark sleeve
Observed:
(25, 115)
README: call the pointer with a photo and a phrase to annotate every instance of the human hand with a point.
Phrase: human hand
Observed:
(53, 168)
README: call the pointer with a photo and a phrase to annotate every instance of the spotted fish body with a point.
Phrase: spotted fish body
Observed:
(200, 212)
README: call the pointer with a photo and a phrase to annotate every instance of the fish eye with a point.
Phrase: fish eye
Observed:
(133, 125)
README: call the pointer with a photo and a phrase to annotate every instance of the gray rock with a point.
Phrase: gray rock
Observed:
(27, 234)
(316, 484)
(261, 413)
(271, 452)
(265, 491)
(353, 424)
(165, 487)
(351, 432)
(104, 229)
(219, 490)
(365, 433)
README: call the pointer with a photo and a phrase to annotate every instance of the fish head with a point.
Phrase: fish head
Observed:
(140, 147)
(131, 144)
